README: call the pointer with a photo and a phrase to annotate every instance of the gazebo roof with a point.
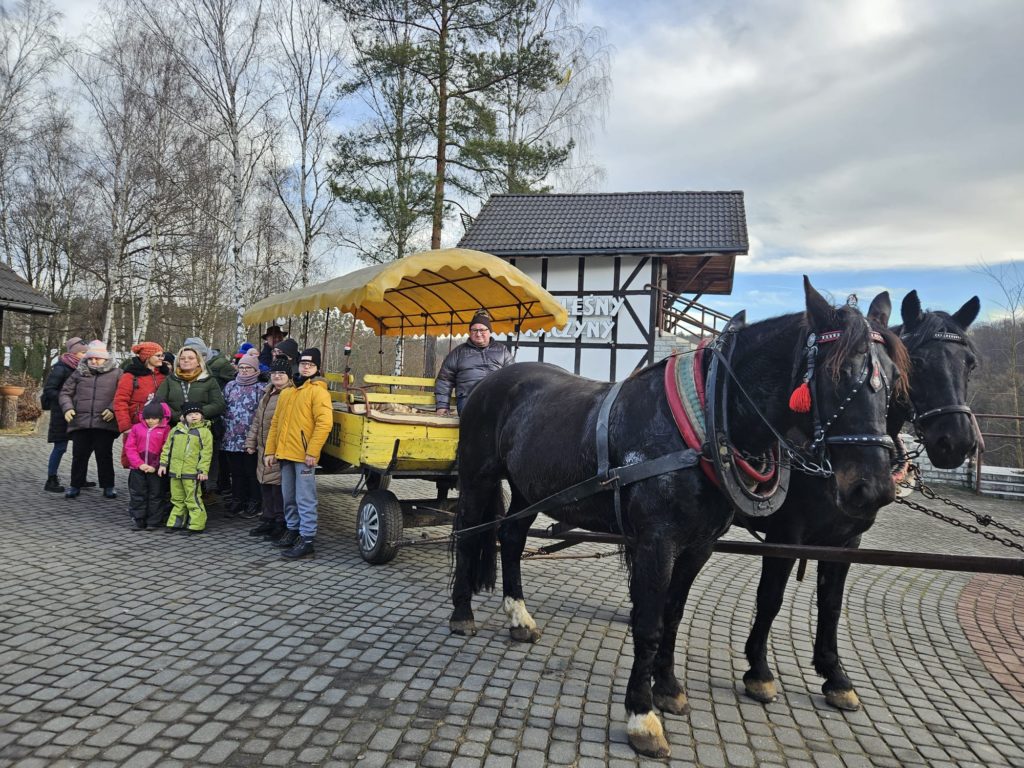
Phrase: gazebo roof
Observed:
(17, 295)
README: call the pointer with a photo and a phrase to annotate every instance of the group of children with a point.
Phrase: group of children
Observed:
(268, 434)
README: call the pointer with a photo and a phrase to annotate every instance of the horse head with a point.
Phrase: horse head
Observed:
(857, 367)
(942, 358)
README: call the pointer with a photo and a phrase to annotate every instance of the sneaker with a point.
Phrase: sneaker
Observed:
(303, 548)
(71, 493)
(265, 527)
(288, 540)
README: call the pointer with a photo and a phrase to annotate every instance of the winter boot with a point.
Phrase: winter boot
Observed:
(288, 540)
(53, 484)
(264, 527)
(303, 548)
(276, 532)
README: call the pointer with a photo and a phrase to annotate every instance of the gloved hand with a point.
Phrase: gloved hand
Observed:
(107, 415)
(69, 416)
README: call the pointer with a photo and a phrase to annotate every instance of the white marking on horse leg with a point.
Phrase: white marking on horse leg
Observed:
(517, 614)
(646, 735)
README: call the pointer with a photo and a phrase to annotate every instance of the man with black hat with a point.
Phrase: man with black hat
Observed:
(468, 363)
(271, 339)
(298, 431)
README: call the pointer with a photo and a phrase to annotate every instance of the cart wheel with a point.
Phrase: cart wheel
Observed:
(377, 481)
(379, 526)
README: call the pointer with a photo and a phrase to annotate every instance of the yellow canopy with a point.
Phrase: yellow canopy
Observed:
(434, 292)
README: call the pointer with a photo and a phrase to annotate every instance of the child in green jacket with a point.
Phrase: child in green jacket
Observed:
(186, 458)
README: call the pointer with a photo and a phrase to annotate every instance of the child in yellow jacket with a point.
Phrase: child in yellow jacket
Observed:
(297, 434)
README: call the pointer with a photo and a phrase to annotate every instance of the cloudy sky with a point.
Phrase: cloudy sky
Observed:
(879, 143)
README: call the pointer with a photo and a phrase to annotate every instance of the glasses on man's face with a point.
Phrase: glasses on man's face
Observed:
(478, 331)
(306, 362)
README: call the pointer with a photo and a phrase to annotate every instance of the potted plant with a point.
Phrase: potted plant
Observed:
(13, 384)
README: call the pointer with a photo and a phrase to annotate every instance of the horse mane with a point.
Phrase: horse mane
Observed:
(932, 322)
(850, 321)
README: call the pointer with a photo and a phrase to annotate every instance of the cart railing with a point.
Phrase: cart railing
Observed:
(415, 391)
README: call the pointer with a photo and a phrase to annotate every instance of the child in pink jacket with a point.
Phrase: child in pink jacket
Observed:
(148, 491)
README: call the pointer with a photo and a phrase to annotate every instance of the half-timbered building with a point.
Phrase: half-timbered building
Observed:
(627, 266)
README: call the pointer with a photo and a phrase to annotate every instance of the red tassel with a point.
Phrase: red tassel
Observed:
(800, 400)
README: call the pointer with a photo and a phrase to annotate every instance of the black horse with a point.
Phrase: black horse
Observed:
(941, 359)
(535, 425)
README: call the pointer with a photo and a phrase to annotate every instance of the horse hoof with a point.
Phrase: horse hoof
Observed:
(763, 691)
(646, 735)
(524, 634)
(464, 627)
(674, 705)
(845, 700)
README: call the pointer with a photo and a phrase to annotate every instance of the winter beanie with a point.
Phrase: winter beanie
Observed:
(153, 410)
(198, 345)
(191, 407)
(290, 347)
(250, 358)
(281, 365)
(146, 349)
(97, 349)
(311, 354)
(75, 345)
(481, 318)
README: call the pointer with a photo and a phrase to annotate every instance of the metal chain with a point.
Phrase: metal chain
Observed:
(983, 520)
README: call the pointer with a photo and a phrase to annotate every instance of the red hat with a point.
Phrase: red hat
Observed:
(146, 349)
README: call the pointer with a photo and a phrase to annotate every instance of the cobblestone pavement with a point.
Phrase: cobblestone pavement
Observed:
(138, 649)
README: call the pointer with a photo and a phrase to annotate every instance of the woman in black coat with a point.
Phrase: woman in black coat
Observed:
(58, 431)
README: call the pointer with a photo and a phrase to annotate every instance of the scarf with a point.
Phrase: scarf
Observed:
(189, 377)
(70, 360)
(248, 380)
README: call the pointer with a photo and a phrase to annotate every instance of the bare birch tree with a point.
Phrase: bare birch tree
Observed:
(29, 47)
(220, 46)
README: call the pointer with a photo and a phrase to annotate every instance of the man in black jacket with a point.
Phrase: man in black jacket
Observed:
(468, 363)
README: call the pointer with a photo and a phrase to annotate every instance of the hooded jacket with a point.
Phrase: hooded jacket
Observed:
(89, 392)
(138, 384)
(256, 439)
(145, 443)
(302, 421)
(242, 401)
(188, 450)
(203, 390)
(58, 429)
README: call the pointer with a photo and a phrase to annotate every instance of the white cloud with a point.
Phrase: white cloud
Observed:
(885, 133)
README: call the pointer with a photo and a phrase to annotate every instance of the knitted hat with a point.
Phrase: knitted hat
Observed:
(481, 318)
(153, 410)
(281, 365)
(146, 349)
(198, 345)
(243, 349)
(191, 407)
(290, 347)
(251, 359)
(97, 349)
(76, 344)
(311, 354)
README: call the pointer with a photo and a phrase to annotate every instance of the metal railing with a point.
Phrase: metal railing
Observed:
(684, 315)
(1018, 436)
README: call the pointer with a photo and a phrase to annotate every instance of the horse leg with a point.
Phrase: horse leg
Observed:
(758, 681)
(669, 695)
(652, 573)
(475, 553)
(512, 536)
(838, 688)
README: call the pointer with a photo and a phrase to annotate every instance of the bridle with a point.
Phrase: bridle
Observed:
(914, 341)
(877, 379)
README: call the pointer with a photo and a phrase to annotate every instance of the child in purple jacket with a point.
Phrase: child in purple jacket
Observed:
(148, 491)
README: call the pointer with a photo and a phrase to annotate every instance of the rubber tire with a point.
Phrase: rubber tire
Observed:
(377, 481)
(378, 526)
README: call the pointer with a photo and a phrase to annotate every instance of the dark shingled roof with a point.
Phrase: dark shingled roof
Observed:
(617, 222)
(18, 296)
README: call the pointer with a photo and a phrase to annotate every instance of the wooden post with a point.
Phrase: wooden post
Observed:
(9, 412)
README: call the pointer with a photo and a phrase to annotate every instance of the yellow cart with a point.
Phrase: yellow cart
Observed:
(386, 428)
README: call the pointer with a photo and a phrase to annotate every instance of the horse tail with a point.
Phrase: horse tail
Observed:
(477, 551)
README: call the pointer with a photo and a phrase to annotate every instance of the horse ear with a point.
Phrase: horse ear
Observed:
(967, 313)
(880, 309)
(820, 313)
(911, 311)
